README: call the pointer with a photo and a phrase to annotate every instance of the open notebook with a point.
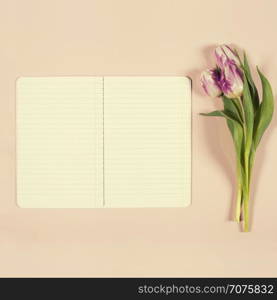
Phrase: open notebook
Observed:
(86, 142)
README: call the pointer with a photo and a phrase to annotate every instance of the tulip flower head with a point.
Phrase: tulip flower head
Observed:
(231, 81)
(225, 55)
(210, 82)
(227, 77)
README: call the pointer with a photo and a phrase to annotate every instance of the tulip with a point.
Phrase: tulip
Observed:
(224, 55)
(247, 118)
(231, 81)
(210, 82)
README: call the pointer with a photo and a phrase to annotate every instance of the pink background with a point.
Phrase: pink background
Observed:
(143, 37)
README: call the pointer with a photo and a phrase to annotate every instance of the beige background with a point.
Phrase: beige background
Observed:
(142, 37)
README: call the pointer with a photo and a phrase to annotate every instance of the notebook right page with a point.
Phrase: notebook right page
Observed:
(147, 141)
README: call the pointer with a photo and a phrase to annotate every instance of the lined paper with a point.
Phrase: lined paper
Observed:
(147, 141)
(86, 142)
(60, 142)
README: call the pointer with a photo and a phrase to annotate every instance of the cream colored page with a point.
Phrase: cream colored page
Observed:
(147, 129)
(59, 142)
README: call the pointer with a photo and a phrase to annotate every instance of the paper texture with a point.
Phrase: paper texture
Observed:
(147, 141)
(103, 142)
(59, 142)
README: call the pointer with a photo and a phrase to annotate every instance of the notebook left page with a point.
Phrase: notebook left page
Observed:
(59, 142)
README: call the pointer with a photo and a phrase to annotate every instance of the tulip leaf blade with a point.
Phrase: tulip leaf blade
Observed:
(227, 114)
(265, 112)
(235, 129)
(248, 115)
(252, 86)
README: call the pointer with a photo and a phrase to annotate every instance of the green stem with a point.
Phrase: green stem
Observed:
(247, 171)
(246, 209)
(251, 165)
(246, 191)
(238, 203)
(239, 190)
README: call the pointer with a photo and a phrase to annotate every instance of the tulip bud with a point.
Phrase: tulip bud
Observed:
(210, 82)
(231, 81)
(224, 54)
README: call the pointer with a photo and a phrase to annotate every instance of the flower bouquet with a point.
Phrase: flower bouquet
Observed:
(246, 115)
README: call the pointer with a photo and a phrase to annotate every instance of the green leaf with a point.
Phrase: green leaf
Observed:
(252, 87)
(237, 136)
(232, 115)
(234, 106)
(229, 115)
(230, 105)
(265, 111)
(249, 116)
(235, 129)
